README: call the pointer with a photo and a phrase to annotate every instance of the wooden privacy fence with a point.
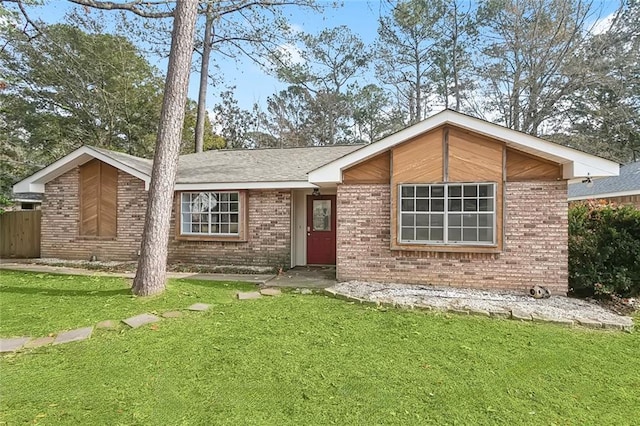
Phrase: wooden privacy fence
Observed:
(20, 234)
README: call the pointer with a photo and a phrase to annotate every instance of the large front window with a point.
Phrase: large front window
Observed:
(210, 213)
(448, 213)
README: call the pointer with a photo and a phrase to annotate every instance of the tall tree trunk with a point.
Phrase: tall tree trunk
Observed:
(152, 267)
(204, 78)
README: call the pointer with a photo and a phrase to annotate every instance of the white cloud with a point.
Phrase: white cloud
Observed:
(292, 53)
(602, 25)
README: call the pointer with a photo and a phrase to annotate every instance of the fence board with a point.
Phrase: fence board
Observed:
(20, 234)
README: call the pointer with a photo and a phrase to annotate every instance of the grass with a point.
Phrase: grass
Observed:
(310, 359)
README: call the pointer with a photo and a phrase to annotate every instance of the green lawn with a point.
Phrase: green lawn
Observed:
(298, 359)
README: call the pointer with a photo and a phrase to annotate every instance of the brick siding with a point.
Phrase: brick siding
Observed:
(268, 241)
(61, 215)
(535, 243)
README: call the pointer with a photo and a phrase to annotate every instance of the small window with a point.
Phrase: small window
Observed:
(451, 213)
(210, 213)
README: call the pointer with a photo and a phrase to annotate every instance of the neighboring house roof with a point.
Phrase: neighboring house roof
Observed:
(627, 183)
(574, 163)
(259, 168)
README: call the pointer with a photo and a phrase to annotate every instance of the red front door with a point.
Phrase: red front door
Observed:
(321, 230)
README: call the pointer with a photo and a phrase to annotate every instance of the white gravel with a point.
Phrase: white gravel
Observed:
(444, 298)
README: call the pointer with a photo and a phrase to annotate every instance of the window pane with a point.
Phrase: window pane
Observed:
(455, 234)
(422, 234)
(470, 191)
(485, 220)
(486, 204)
(422, 220)
(455, 205)
(437, 234)
(321, 215)
(224, 197)
(224, 229)
(233, 207)
(224, 207)
(215, 228)
(469, 234)
(234, 218)
(224, 218)
(234, 196)
(485, 235)
(422, 191)
(437, 220)
(437, 191)
(408, 219)
(422, 205)
(470, 205)
(407, 191)
(437, 205)
(485, 190)
(455, 219)
(233, 228)
(407, 234)
(470, 220)
(455, 191)
(407, 205)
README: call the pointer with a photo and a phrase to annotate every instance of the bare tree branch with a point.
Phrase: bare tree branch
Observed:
(138, 7)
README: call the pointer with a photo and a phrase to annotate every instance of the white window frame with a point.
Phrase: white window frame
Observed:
(207, 205)
(448, 215)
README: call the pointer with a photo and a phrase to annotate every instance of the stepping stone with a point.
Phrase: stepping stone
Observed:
(589, 323)
(270, 292)
(199, 307)
(248, 295)
(172, 314)
(42, 341)
(517, 314)
(306, 291)
(73, 335)
(140, 320)
(108, 325)
(12, 345)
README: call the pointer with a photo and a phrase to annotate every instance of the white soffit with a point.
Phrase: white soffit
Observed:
(36, 182)
(575, 163)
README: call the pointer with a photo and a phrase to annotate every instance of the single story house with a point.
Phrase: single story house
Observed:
(25, 201)
(452, 200)
(622, 189)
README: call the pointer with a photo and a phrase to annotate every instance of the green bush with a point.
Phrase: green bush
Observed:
(604, 250)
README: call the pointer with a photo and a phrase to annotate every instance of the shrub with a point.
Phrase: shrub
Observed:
(604, 250)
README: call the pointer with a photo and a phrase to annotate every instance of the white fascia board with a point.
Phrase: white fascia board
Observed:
(243, 185)
(607, 195)
(575, 163)
(37, 181)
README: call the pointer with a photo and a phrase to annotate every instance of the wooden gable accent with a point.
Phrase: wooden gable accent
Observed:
(98, 199)
(523, 167)
(374, 170)
(473, 158)
(419, 159)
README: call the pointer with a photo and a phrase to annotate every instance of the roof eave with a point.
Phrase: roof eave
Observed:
(575, 164)
(37, 181)
(207, 186)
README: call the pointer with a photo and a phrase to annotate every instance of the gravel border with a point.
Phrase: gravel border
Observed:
(557, 309)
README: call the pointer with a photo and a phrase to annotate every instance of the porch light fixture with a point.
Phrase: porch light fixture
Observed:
(316, 192)
(588, 181)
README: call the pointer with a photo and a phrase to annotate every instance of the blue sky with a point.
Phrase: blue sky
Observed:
(252, 84)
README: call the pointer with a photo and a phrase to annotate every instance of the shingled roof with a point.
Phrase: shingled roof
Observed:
(627, 183)
(257, 165)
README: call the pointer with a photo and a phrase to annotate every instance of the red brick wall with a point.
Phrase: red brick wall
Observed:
(269, 228)
(268, 240)
(535, 243)
(60, 217)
